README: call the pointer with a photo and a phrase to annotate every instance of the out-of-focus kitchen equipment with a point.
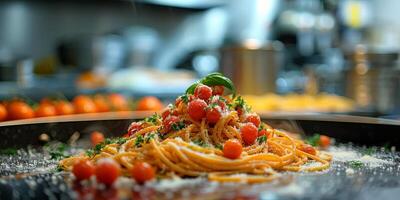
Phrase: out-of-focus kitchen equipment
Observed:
(253, 69)
(372, 77)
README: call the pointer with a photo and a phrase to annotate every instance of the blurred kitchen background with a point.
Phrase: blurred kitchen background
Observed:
(336, 56)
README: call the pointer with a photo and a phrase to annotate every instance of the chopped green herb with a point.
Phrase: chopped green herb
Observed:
(219, 146)
(152, 119)
(262, 139)
(178, 126)
(356, 164)
(149, 137)
(370, 150)
(8, 151)
(139, 140)
(240, 103)
(97, 149)
(313, 140)
(212, 105)
(57, 152)
(261, 127)
(200, 143)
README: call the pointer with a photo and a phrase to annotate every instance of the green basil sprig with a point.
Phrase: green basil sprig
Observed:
(213, 79)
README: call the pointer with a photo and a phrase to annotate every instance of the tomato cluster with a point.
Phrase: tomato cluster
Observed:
(20, 109)
(107, 171)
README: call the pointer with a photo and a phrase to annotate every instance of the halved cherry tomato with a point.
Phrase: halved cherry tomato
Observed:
(149, 103)
(102, 103)
(254, 118)
(203, 92)
(134, 127)
(64, 108)
(20, 110)
(218, 100)
(232, 149)
(166, 113)
(118, 102)
(308, 149)
(45, 110)
(213, 115)
(84, 104)
(96, 138)
(142, 172)
(197, 109)
(167, 123)
(218, 90)
(3, 112)
(83, 169)
(324, 141)
(249, 133)
(107, 171)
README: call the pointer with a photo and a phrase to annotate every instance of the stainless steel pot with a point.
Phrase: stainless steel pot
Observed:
(253, 69)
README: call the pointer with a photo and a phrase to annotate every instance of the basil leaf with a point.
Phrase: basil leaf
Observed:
(214, 79)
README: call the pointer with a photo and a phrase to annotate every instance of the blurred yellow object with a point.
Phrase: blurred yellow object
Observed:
(45, 66)
(91, 80)
(300, 103)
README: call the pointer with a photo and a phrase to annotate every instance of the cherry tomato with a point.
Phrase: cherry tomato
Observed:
(118, 102)
(64, 108)
(218, 90)
(149, 103)
(3, 112)
(96, 138)
(249, 133)
(167, 123)
(84, 104)
(20, 110)
(142, 172)
(240, 111)
(254, 118)
(107, 171)
(197, 109)
(203, 92)
(166, 113)
(232, 149)
(217, 100)
(308, 149)
(83, 169)
(134, 127)
(324, 141)
(45, 110)
(102, 103)
(213, 115)
(264, 132)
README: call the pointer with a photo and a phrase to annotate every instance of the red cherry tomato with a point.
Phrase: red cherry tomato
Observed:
(167, 123)
(134, 127)
(107, 171)
(308, 149)
(218, 90)
(203, 92)
(324, 141)
(166, 113)
(96, 138)
(249, 133)
(240, 111)
(254, 118)
(232, 149)
(213, 115)
(264, 132)
(83, 169)
(197, 109)
(142, 172)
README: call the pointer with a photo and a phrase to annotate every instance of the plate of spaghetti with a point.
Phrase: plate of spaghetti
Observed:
(208, 132)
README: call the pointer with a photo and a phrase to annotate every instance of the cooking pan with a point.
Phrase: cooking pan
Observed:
(341, 181)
